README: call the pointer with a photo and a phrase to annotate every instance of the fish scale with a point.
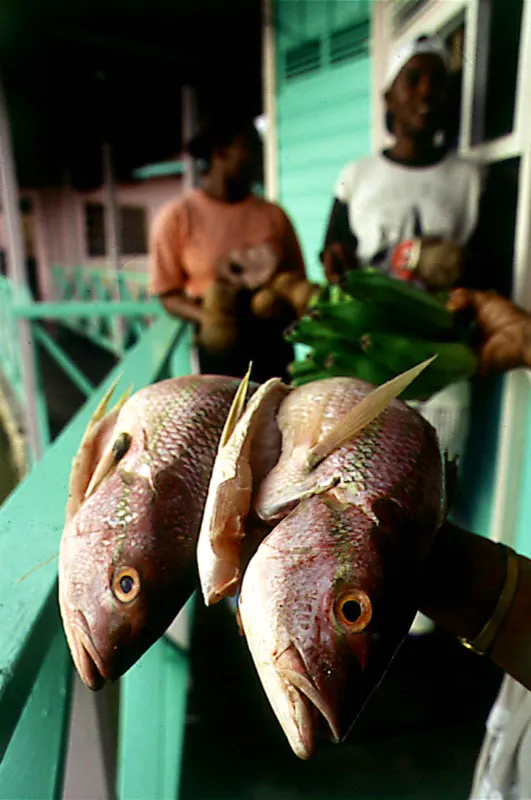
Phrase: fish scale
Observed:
(142, 517)
(307, 414)
(354, 502)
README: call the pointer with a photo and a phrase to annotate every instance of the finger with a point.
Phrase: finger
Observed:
(459, 299)
(499, 354)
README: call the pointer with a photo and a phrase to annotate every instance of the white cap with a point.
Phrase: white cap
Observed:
(420, 45)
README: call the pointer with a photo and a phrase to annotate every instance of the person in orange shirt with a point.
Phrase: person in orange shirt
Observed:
(223, 232)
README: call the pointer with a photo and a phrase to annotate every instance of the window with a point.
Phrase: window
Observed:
(352, 41)
(303, 58)
(504, 44)
(454, 41)
(95, 229)
(133, 230)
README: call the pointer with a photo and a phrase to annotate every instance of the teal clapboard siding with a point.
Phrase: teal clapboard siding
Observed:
(323, 107)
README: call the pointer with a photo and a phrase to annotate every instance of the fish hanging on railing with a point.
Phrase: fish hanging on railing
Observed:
(137, 491)
(354, 503)
(325, 498)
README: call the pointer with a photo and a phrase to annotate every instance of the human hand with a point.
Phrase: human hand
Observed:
(336, 261)
(506, 329)
(250, 267)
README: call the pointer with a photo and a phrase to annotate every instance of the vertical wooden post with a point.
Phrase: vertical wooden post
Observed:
(189, 121)
(16, 270)
(269, 93)
(113, 236)
(153, 697)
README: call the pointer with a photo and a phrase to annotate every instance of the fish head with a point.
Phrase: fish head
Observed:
(326, 601)
(127, 555)
(125, 569)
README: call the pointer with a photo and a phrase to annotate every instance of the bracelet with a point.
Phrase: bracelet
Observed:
(483, 641)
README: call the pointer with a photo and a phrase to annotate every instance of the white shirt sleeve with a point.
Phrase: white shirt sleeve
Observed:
(345, 183)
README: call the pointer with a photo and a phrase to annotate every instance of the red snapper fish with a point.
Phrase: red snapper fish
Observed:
(354, 502)
(137, 491)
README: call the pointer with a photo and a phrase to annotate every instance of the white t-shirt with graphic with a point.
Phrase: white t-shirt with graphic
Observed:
(389, 202)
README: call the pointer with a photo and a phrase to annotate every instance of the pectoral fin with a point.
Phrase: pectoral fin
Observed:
(230, 491)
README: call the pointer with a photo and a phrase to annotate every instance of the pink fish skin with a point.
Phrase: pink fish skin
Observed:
(331, 592)
(127, 557)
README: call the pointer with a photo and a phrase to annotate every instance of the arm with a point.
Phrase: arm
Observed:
(167, 275)
(339, 251)
(506, 329)
(178, 305)
(463, 580)
(465, 574)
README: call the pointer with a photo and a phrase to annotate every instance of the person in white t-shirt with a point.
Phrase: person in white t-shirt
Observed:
(416, 191)
(412, 210)
(392, 209)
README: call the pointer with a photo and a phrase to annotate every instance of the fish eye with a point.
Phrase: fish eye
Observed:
(353, 611)
(120, 446)
(126, 584)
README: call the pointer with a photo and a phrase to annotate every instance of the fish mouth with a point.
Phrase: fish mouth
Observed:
(308, 706)
(86, 658)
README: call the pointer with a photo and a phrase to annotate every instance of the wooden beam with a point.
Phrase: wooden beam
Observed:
(16, 270)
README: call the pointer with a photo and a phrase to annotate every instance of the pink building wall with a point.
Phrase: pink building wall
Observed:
(59, 224)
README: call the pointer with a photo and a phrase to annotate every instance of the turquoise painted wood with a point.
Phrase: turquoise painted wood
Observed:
(323, 117)
(523, 525)
(477, 469)
(31, 522)
(155, 691)
(153, 698)
(32, 768)
(61, 358)
(81, 283)
(61, 311)
(10, 356)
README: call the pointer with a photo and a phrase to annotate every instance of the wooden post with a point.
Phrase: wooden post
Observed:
(269, 93)
(189, 122)
(16, 271)
(113, 235)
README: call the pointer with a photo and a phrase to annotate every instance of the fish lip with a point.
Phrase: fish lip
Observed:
(311, 704)
(87, 660)
(313, 698)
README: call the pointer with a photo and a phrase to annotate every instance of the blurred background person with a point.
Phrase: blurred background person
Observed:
(411, 210)
(212, 250)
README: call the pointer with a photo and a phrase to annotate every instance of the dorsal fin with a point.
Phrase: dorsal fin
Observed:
(108, 460)
(83, 460)
(362, 414)
(236, 409)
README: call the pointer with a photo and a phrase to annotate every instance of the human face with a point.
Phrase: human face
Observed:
(417, 98)
(241, 158)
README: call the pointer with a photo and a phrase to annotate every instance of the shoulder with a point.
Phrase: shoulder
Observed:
(170, 210)
(271, 209)
(351, 174)
(465, 168)
(171, 214)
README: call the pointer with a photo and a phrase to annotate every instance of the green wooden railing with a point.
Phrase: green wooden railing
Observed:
(115, 325)
(92, 285)
(35, 667)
